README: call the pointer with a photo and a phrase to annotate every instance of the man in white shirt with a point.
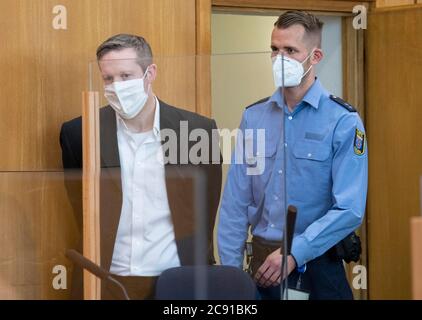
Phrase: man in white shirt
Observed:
(147, 204)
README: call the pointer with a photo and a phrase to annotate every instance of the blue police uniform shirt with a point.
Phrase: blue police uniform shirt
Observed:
(326, 176)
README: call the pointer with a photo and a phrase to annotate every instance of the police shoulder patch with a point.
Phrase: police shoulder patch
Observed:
(258, 102)
(359, 142)
(343, 103)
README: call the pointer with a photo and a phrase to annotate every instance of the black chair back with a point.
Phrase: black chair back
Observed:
(205, 282)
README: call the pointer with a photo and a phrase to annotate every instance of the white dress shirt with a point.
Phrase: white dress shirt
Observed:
(145, 242)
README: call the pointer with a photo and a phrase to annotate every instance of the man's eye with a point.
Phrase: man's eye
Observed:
(290, 50)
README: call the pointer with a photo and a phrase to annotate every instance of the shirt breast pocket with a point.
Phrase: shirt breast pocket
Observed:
(312, 151)
(310, 171)
(260, 168)
(260, 158)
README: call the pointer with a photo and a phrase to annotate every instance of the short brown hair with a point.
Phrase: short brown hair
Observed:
(312, 25)
(123, 41)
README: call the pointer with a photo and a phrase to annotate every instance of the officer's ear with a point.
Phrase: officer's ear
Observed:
(316, 56)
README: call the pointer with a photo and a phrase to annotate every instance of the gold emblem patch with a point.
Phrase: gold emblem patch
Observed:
(359, 143)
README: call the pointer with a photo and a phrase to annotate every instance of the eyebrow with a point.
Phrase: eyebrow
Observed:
(119, 73)
(285, 47)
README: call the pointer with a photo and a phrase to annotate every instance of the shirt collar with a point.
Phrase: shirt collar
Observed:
(156, 127)
(312, 96)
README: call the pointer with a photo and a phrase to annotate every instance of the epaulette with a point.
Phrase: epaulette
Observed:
(343, 103)
(258, 102)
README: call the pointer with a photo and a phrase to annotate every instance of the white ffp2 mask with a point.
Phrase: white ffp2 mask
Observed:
(293, 71)
(127, 98)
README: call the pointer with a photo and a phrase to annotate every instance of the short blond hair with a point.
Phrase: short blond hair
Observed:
(313, 26)
(123, 41)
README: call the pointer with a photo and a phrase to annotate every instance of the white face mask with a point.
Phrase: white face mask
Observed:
(293, 71)
(127, 98)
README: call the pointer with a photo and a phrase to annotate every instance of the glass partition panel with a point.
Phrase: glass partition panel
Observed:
(158, 190)
(160, 168)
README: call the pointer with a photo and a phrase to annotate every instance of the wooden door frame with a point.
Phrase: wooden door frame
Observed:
(326, 6)
(353, 59)
(203, 57)
(353, 44)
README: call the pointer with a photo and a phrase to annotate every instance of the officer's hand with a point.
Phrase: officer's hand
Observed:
(269, 273)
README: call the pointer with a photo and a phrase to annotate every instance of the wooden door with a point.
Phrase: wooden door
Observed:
(393, 121)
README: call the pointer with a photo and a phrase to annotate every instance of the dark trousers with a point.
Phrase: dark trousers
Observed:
(324, 278)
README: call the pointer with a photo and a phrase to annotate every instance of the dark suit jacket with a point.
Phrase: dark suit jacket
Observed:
(180, 183)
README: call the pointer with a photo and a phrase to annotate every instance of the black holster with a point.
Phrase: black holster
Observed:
(349, 249)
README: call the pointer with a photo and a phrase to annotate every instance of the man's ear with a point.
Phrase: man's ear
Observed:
(317, 56)
(152, 72)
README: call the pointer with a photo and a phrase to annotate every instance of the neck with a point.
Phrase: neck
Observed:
(144, 121)
(294, 95)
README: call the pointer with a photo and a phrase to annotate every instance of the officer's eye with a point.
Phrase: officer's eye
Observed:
(274, 49)
(290, 50)
(108, 80)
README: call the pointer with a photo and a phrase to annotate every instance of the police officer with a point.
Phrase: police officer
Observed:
(324, 146)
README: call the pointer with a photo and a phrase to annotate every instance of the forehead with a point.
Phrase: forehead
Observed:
(119, 60)
(126, 53)
(293, 35)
